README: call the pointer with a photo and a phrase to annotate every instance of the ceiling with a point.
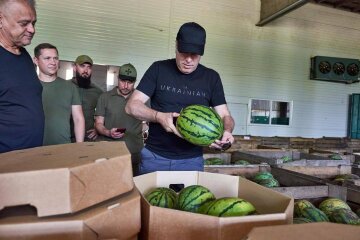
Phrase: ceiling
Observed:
(347, 5)
(272, 9)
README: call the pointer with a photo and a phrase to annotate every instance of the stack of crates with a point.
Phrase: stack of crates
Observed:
(70, 191)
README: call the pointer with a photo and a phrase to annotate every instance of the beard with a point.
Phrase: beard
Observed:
(83, 82)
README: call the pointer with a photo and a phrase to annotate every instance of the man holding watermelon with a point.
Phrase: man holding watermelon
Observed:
(172, 85)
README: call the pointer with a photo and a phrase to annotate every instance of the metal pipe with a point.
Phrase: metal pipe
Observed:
(282, 12)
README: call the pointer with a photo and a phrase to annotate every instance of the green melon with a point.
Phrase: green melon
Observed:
(162, 197)
(261, 176)
(241, 162)
(301, 204)
(299, 220)
(314, 214)
(269, 182)
(200, 125)
(330, 204)
(229, 207)
(346, 216)
(214, 161)
(335, 157)
(286, 159)
(193, 197)
(343, 177)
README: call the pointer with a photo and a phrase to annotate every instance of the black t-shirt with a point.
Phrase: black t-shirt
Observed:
(170, 91)
(21, 111)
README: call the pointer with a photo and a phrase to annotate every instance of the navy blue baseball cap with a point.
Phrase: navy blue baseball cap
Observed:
(191, 38)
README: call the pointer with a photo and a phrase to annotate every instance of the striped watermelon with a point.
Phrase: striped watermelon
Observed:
(313, 214)
(193, 197)
(162, 197)
(229, 207)
(330, 204)
(300, 220)
(346, 216)
(200, 125)
(300, 205)
(260, 176)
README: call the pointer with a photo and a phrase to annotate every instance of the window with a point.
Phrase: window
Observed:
(270, 112)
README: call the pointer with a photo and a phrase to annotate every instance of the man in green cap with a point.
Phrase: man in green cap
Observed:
(112, 122)
(89, 94)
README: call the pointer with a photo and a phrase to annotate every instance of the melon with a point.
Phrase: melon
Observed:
(300, 205)
(200, 125)
(345, 216)
(162, 197)
(260, 176)
(214, 161)
(313, 214)
(241, 162)
(299, 220)
(229, 207)
(193, 197)
(330, 204)
(269, 182)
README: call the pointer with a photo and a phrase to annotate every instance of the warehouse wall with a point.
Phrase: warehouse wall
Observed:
(270, 62)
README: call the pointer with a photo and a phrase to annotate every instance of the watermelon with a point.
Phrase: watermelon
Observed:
(346, 216)
(241, 162)
(191, 198)
(269, 182)
(343, 177)
(330, 204)
(261, 176)
(313, 214)
(301, 204)
(335, 157)
(162, 197)
(214, 161)
(200, 125)
(229, 207)
(299, 220)
(286, 159)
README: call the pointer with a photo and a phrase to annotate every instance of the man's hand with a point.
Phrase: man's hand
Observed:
(224, 143)
(115, 134)
(167, 121)
(92, 134)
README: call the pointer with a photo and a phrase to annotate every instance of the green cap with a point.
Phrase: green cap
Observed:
(127, 72)
(83, 59)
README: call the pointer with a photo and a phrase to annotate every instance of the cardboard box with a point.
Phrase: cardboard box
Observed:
(308, 231)
(162, 223)
(65, 178)
(118, 218)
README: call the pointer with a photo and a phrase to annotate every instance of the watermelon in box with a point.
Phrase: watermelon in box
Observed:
(272, 208)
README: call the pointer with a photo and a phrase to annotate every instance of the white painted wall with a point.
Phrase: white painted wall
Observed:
(270, 62)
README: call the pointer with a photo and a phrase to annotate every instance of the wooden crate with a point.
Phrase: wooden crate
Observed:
(225, 156)
(247, 171)
(303, 186)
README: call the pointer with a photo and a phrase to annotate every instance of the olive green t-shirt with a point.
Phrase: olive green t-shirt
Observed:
(58, 97)
(111, 106)
(89, 97)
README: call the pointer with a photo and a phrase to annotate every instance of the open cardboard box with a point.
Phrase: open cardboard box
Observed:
(118, 218)
(308, 231)
(65, 178)
(162, 223)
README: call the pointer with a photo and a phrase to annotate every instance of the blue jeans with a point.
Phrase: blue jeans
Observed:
(151, 162)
